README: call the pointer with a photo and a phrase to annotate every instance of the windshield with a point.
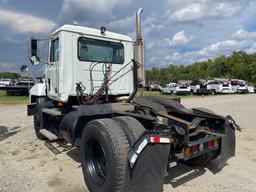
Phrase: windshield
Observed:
(100, 51)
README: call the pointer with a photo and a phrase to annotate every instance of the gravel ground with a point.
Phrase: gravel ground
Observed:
(26, 164)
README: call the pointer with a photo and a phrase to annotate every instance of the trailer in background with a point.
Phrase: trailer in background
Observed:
(18, 87)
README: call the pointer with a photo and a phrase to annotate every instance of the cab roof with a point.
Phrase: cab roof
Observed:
(92, 32)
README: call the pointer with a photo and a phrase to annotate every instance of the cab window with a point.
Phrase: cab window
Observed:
(53, 50)
(94, 50)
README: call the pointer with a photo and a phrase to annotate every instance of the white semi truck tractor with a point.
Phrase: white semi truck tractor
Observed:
(92, 98)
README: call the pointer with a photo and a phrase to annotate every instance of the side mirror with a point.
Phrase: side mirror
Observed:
(24, 68)
(34, 59)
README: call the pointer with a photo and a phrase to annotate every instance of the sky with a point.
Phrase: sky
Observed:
(175, 31)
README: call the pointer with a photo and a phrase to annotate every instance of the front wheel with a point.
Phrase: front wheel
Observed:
(104, 149)
(37, 127)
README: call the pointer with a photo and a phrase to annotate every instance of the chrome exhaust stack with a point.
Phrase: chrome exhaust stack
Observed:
(139, 54)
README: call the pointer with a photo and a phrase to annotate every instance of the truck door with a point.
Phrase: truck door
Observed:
(53, 68)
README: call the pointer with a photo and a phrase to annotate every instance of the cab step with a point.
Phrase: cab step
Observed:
(53, 111)
(58, 146)
(48, 134)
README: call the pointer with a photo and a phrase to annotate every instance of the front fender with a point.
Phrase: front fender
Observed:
(38, 90)
(73, 123)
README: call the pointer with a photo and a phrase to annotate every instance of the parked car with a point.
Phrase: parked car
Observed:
(250, 87)
(239, 86)
(4, 82)
(25, 82)
(155, 87)
(182, 89)
(215, 86)
(200, 87)
(169, 88)
(242, 89)
(227, 87)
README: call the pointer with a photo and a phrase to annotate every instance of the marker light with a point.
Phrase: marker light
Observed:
(160, 140)
(103, 29)
(60, 104)
(210, 144)
(155, 139)
(187, 151)
(194, 149)
(215, 143)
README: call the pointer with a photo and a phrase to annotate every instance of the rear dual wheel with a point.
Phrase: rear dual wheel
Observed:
(104, 149)
(149, 170)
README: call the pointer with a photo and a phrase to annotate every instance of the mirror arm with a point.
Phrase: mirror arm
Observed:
(45, 62)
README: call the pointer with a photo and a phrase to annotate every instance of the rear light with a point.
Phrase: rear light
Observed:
(155, 139)
(194, 149)
(160, 140)
(216, 143)
(60, 104)
(187, 151)
(210, 144)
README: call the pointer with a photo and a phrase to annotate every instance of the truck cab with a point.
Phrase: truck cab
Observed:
(77, 56)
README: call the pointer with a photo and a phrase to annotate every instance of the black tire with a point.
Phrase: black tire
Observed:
(149, 170)
(37, 127)
(132, 127)
(104, 149)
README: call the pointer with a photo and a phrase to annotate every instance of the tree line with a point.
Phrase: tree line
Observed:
(9, 75)
(239, 65)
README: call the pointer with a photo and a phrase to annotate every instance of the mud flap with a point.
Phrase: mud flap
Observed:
(148, 173)
(228, 143)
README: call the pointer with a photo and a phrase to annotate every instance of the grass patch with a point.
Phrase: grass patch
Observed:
(11, 100)
(15, 152)
(167, 96)
(2, 93)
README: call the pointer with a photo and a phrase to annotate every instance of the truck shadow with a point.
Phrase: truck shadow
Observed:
(181, 173)
(74, 154)
(178, 175)
(4, 133)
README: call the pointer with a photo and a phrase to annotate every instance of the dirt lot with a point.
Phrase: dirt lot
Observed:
(26, 164)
